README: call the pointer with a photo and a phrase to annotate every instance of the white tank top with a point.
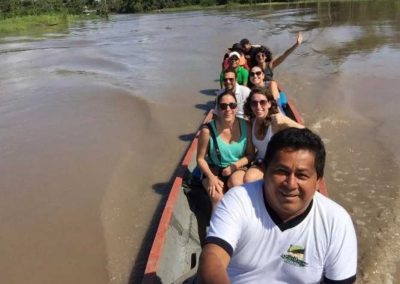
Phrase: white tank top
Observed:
(261, 145)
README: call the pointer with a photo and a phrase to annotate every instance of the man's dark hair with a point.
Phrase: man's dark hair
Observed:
(244, 41)
(230, 70)
(236, 47)
(297, 139)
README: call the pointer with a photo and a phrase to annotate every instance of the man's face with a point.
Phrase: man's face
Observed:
(229, 81)
(247, 47)
(290, 182)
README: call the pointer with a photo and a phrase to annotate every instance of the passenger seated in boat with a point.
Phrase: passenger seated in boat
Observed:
(241, 92)
(281, 229)
(242, 60)
(242, 75)
(248, 49)
(257, 79)
(223, 157)
(266, 119)
(262, 57)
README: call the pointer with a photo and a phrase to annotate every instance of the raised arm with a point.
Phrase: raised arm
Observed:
(279, 121)
(213, 263)
(276, 61)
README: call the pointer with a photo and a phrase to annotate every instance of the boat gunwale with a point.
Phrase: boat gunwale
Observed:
(150, 273)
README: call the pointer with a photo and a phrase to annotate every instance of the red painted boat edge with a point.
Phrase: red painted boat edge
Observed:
(150, 275)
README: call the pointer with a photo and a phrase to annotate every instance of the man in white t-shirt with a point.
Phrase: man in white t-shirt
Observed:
(241, 92)
(280, 229)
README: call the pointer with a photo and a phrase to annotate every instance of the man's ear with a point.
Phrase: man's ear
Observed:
(318, 185)
(321, 186)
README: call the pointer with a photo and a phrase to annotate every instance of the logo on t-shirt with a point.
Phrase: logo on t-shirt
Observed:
(295, 256)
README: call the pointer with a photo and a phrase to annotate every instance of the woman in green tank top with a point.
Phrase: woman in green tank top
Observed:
(223, 158)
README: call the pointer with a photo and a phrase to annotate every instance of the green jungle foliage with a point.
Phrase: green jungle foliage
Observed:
(16, 8)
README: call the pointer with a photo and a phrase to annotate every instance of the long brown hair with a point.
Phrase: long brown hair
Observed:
(263, 91)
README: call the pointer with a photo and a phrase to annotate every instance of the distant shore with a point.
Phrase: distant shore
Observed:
(235, 5)
(29, 23)
(59, 20)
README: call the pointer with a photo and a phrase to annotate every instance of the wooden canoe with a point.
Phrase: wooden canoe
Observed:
(176, 247)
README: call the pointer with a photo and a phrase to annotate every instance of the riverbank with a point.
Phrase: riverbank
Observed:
(37, 23)
(42, 23)
(235, 5)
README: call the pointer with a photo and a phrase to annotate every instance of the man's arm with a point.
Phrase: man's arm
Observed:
(213, 263)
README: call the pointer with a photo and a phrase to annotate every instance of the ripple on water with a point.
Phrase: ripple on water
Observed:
(370, 193)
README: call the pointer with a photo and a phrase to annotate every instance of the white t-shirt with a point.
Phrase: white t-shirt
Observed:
(241, 94)
(319, 243)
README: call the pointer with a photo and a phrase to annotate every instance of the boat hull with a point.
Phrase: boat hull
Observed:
(176, 247)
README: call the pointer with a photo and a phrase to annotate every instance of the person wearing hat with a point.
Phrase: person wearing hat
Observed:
(280, 229)
(242, 75)
(242, 60)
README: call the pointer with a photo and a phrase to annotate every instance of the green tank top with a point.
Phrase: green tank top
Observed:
(268, 73)
(230, 152)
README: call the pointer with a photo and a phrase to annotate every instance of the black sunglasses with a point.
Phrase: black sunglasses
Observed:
(258, 73)
(224, 106)
(229, 79)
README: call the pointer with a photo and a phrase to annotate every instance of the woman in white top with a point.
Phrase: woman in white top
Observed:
(266, 119)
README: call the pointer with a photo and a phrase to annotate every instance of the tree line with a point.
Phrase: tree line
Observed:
(12, 8)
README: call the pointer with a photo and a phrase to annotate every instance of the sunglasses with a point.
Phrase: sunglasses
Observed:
(261, 102)
(224, 106)
(229, 79)
(258, 73)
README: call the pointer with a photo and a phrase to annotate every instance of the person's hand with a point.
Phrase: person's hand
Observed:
(278, 119)
(215, 186)
(229, 170)
(299, 38)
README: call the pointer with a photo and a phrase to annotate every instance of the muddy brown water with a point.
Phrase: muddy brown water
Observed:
(94, 119)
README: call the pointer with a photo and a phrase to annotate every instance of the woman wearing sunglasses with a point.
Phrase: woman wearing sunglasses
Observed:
(257, 79)
(263, 58)
(224, 149)
(266, 119)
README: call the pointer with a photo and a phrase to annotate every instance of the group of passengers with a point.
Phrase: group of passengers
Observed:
(274, 226)
(249, 110)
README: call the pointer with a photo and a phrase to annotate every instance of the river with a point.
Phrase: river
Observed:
(94, 119)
